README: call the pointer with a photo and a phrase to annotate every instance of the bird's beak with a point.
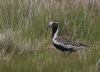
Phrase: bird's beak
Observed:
(49, 24)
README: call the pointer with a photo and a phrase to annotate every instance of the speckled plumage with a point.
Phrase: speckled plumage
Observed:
(61, 43)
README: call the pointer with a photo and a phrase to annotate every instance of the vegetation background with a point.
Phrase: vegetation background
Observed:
(25, 40)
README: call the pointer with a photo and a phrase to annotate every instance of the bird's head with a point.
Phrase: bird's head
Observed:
(53, 25)
(55, 28)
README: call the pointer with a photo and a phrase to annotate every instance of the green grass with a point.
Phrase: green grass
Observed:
(49, 60)
(26, 45)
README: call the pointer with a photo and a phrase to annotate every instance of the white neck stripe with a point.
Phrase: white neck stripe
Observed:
(56, 34)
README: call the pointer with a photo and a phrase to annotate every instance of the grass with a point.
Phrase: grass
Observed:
(49, 60)
(25, 43)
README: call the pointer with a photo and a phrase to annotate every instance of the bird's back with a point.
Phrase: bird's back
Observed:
(66, 44)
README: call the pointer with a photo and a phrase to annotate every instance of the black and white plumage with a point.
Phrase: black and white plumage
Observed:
(62, 44)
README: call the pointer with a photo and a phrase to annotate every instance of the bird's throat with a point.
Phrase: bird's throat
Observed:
(55, 33)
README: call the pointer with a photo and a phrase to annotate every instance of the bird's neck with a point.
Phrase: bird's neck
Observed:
(55, 33)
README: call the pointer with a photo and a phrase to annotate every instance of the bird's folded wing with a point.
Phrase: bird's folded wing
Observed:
(67, 43)
(64, 43)
(69, 46)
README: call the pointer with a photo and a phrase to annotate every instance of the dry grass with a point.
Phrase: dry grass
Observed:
(25, 39)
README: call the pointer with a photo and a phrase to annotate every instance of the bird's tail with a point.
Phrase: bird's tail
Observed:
(84, 45)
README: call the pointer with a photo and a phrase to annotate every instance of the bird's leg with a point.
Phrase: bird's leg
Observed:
(72, 51)
(65, 52)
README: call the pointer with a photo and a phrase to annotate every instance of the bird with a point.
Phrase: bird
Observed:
(62, 44)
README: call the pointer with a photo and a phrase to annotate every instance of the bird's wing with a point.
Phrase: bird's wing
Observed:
(65, 43)
(69, 44)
